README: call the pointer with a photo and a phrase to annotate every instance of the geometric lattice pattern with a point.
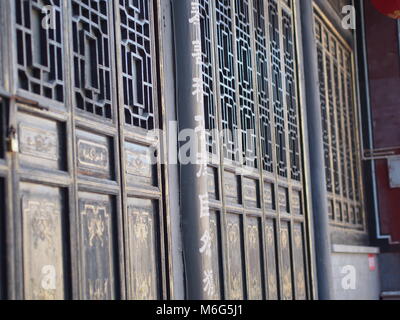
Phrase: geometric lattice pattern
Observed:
(40, 50)
(227, 79)
(264, 100)
(91, 55)
(245, 83)
(277, 89)
(253, 72)
(208, 79)
(340, 133)
(137, 61)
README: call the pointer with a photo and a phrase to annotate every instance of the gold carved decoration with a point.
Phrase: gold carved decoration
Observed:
(272, 286)
(236, 287)
(300, 284)
(44, 295)
(298, 239)
(250, 191)
(268, 194)
(98, 289)
(287, 284)
(38, 142)
(43, 221)
(143, 286)
(253, 235)
(233, 232)
(282, 199)
(97, 221)
(296, 203)
(93, 155)
(284, 238)
(395, 14)
(141, 228)
(270, 234)
(255, 287)
(138, 164)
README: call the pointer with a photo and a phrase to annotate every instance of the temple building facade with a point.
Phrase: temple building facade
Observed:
(199, 149)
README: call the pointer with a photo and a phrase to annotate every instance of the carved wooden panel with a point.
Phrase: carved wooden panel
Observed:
(235, 257)
(232, 188)
(140, 165)
(297, 202)
(255, 258)
(42, 215)
(299, 256)
(41, 142)
(272, 276)
(286, 267)
(269, 196)
(251, 193)
(213, 183)
(95, 156)
(96, 221)
(283, 200)
(74, 132)
(257, 106)
(215, 228)
(143, 250)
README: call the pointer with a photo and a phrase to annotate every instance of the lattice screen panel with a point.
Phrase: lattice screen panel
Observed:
(40, 53)
(92, 59)
(257, 195)
(340, 127)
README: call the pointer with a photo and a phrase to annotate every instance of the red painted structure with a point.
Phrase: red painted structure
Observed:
(390, 8)
(384, 81)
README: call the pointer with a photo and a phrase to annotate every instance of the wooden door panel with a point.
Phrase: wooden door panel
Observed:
(98, 249)
(81, 126)
(43, 211)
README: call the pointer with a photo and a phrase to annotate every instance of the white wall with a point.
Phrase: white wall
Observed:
(352, 277)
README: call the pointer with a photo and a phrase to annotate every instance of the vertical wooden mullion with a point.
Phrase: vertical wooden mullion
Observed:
(286, 182)
(264, 273)
(338, 197)
(14, 269)
(74, 224)
(218, 107)
(241, 159)
(349, 132)
(328, 117)
(277, 214)
(169, 281)
(360, 203)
